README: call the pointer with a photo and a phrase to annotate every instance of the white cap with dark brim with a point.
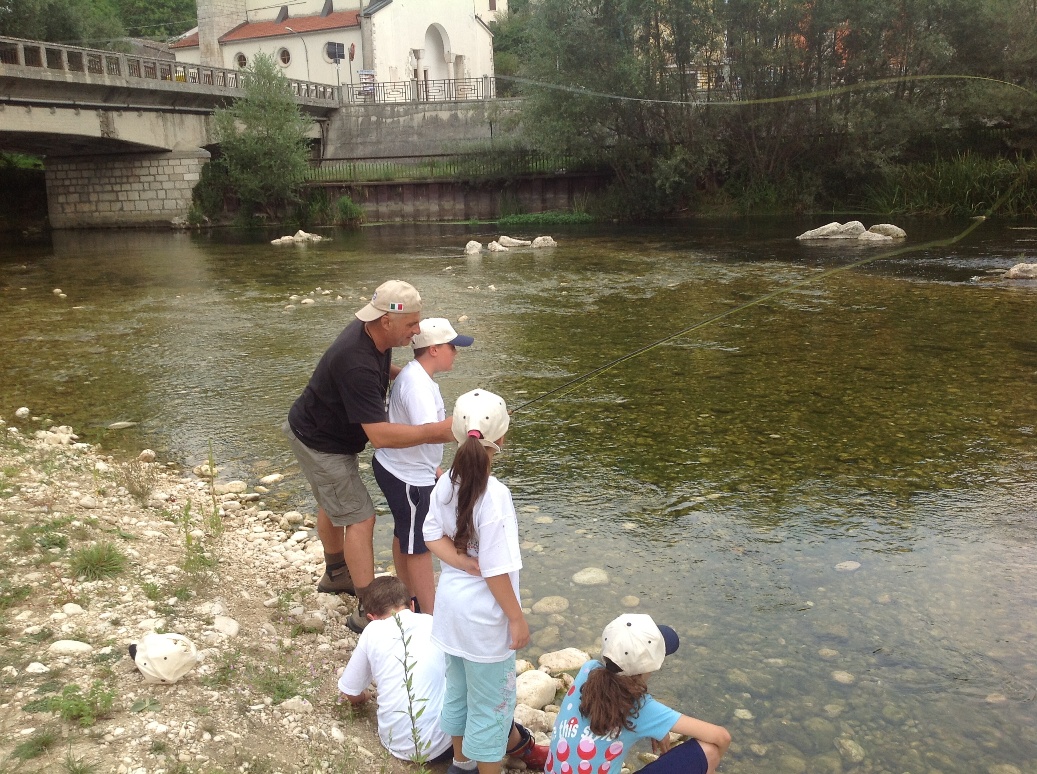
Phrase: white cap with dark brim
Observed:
(392, 297)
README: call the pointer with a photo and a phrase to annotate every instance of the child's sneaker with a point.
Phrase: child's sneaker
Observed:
(528, 751)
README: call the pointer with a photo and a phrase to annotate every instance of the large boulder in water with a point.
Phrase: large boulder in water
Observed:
(888, 229)
(1022, 271)
(835, 230)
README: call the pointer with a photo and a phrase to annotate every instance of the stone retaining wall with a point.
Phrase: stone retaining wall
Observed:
(463, 200)
(127, 190)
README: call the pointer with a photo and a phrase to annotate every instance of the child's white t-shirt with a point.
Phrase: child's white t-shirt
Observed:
(379, 657)
(468, 622)
(414, 399)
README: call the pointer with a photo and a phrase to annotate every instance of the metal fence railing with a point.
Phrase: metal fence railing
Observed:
(453, 89)
(27, 54)
(459, 166)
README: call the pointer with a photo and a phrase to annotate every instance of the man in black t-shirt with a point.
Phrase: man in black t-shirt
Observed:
(342, 408)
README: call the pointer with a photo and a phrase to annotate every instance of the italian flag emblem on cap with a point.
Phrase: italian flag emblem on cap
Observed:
(395, 307)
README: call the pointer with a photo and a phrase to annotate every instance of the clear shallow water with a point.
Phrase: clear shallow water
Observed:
(885, 415)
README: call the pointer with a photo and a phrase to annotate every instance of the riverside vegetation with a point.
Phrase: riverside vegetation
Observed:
(99, 551)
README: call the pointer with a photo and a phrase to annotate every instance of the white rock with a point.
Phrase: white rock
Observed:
(147, 455)
(871, 236)
(536, 689)
(71, 608)
(743, 714)
(232, 487)
(473, 248)
(22, 413)
(121, 425)
(565, 660)
(551, 605)
(89, 502)
(273, 478)
(511, 242)
(226, 625)
(297, 704)
(1019, 271)
(843, 677)
(533, 719)
(630, 601)
(337, 735)
(848, 566)
(69, 648)
(591, 576)
(888, 229)
(496, 247)
(544, 241)
(57, 291)
(521, 665)
(307, 301)
(835, 230)
(36, 668)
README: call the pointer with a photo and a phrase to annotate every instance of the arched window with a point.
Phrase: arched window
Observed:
(242, 61)
(285, 57)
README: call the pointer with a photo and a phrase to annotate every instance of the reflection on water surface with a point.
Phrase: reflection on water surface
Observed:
(883, 417)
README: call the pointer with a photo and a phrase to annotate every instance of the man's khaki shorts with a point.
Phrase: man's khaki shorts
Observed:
(335, 482)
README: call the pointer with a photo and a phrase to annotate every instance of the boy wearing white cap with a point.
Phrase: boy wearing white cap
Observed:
(406, 476)
(331, 422)
(609, 708)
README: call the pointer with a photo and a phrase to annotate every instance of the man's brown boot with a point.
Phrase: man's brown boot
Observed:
(336, 578)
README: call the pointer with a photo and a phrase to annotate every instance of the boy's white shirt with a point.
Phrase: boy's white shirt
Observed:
(414, 399)
(468, 622)
(378, 657)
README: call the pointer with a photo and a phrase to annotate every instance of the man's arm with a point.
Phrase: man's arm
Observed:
(391, 435)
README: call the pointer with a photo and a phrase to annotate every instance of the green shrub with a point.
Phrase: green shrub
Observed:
(349, 212)
(547, 219)
(36, 745)
(75, 706)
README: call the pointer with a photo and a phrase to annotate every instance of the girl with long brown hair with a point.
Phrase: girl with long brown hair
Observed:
(472, 527)
(608, 708)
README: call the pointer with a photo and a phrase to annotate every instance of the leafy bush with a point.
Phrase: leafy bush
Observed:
(349, 212)
(556, 218)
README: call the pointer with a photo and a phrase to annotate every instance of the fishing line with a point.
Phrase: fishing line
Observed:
(572, 384)
(764, 100)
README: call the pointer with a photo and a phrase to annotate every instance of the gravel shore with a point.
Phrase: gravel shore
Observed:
(99, 551)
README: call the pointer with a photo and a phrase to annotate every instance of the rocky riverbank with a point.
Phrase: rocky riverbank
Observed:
(100, 551)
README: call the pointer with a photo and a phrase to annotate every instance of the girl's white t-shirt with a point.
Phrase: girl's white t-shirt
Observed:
(468, 622)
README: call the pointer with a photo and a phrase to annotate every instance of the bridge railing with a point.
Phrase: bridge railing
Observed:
(108, 64)
(414, 90)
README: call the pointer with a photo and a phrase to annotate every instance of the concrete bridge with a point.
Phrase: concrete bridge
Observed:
(123, 137)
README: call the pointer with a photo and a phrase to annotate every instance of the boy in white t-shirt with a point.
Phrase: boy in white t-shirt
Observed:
(396, 634)
(406, 476)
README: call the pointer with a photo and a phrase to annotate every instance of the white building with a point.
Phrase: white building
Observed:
(373, 40)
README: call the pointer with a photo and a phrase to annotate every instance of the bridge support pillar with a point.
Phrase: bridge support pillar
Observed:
(145, 189)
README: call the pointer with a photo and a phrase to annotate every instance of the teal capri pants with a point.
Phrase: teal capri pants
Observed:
(479, 706)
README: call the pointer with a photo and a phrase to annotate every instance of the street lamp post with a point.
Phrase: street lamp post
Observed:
(305, 50)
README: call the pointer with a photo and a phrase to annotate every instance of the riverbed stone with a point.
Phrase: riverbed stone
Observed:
(848, 566)
(544, 241)
(888, 229)
(473, 248)
(850, 750)
(843, 677)
(551, 605)
(591, 576)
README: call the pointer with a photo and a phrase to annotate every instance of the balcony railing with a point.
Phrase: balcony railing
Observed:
(108, 64)
(454, 89)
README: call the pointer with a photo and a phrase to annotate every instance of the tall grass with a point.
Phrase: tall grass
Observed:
(963, 186)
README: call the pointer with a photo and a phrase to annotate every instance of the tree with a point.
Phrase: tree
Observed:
(91, 23)
(263, 142)
(157, 19)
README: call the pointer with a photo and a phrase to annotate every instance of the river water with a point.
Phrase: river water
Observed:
(830, 494)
